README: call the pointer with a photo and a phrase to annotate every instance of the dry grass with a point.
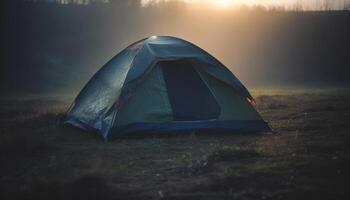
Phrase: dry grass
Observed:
(307, 156)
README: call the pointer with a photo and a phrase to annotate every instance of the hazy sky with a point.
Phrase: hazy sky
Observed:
(289, 4)
(54, 47)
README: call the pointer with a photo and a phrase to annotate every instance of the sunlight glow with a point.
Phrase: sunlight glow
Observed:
(223, 3)
(219, 3)
(287, 4)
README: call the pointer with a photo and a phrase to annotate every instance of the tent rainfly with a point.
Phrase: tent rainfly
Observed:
(163, 84)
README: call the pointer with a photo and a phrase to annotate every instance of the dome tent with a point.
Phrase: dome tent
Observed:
(163, 84)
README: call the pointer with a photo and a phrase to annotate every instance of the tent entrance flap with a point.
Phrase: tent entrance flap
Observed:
(189, 96)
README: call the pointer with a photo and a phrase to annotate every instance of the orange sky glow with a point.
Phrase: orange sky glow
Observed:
(287, 4)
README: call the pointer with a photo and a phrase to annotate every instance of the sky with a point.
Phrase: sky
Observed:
(288, 4)
(53, 47)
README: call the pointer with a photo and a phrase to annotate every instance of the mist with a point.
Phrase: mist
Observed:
(56, 48)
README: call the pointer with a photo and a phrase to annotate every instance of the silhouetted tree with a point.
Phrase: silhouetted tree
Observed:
(298, 6)
(327, 4)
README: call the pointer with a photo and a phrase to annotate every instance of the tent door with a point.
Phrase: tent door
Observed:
(189, 96)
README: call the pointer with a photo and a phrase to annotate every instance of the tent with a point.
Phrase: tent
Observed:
(163, 84)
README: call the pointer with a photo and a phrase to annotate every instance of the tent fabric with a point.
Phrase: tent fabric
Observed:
(141, 85)
(234, 106)
(152, 96)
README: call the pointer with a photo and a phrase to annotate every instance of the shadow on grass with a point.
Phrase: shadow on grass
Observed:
(89, 187)
(233, 153)
(20, 145)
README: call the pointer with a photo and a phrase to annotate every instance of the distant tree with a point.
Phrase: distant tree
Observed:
(280, 8)
(79, 2)
(327, 4)
(298, 6)
(318, 5)
(346, 5)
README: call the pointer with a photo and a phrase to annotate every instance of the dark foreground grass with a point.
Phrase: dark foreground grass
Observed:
(306, 157)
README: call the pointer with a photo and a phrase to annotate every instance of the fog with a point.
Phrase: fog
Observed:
(270, 4)
(53, 48)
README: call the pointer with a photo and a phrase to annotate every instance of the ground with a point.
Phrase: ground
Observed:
(307, 156)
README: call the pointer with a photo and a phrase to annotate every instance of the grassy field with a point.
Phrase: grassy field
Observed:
(306, 157)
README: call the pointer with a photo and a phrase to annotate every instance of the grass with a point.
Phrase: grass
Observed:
(306, 157)
(233, 153)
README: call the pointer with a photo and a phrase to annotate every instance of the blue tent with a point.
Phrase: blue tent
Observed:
(163, 84)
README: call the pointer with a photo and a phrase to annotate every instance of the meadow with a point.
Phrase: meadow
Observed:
(307, 156)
